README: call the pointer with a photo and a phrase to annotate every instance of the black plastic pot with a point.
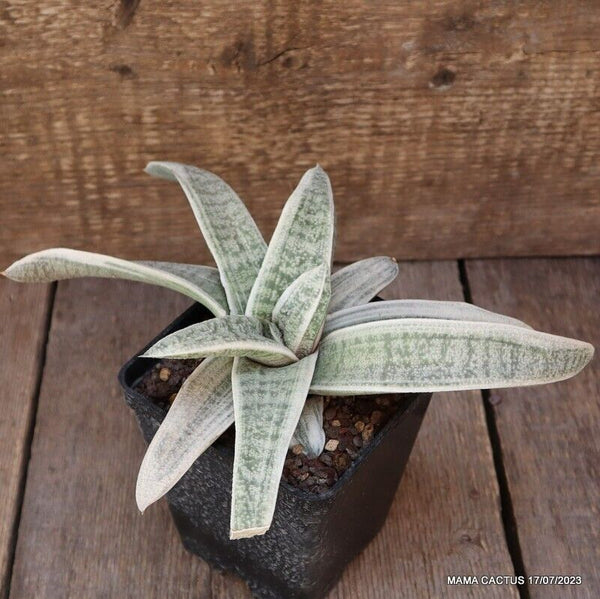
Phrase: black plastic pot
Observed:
(312, 537)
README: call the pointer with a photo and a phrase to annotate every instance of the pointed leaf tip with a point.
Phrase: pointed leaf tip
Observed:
(157, 169)
(201, 412)
(141, 499)
(261, 443)
(228, 336)
(361, 281)
(201, 283)
(292, 251)
(301, 309)
(425, 355)
(230, 232)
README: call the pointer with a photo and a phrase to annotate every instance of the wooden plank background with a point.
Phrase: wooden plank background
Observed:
(450, 128)
(81, 534)
(549, 435)
(23, 329)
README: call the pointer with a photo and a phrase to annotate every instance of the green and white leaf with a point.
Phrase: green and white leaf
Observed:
(408, 308)
(204, 277)
(360, 282)
(234, 335)
(267, 405)
(303, 239)
(301, 308)
(60, 263)
(201, 412)
(309, 431)
(311, 339)
(412, 355)
(230, 232)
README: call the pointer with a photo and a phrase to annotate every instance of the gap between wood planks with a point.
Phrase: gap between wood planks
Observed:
(509, 521)
(30, 430)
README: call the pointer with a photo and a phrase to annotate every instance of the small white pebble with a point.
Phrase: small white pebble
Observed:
(332, 444)
(164, 374)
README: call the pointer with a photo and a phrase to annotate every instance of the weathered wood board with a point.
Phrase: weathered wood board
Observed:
(450, 129)
(23, 317)
(81, 534)
(549, 435)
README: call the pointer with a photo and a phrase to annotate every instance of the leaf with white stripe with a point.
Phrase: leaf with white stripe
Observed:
(303, 239)
(408, 308)
(412, 355)
(302, 308)
(309, 431)
(360, 282)
(201, 412)
(230, 232)
(60, 263)
(267, 405)
(231, 336)
(204, 277)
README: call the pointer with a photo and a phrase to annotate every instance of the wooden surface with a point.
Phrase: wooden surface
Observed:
(80, 535)
(550, 435)
(23, 318)
(449, 128)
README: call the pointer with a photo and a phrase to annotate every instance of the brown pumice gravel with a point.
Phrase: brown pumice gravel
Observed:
(350, 424)
(164, 379)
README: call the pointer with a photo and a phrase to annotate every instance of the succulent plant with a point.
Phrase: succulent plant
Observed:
(287, 329)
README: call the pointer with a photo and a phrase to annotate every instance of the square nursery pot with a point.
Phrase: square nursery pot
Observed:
(313, 537)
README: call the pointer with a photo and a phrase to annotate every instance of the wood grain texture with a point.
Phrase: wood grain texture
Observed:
(448, 128)
(445, 518)
(23, 318)
(549, 435)
(81, 534)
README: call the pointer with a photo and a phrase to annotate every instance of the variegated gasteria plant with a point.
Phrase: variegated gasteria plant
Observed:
(286, 328)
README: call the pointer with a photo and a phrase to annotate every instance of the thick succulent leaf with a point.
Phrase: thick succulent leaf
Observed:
(302, 308)
(234, 335)
(311, 338)
(411, 355)
(413, 309)
(360, 282)
(230, 232)
(60, 263)
(303, 239)
(309, 431)
(201, 412)
(204, 277)
(267, 405)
